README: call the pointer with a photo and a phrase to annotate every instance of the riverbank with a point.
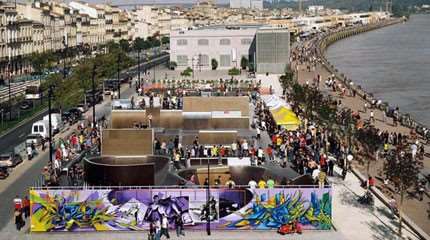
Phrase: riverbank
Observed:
(323, 43)
(414, 209)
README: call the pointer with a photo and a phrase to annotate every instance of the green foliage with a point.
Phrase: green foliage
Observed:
(153, 42)
(287, 80)
(165, 40)
(214, 64)
(187, 72)
(402, 169)
(70, 91)
(139, 44)
(233, 71)
(124, 45)
(244, 63)
(42, 61)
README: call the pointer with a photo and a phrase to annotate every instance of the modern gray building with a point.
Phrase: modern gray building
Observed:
(272, 50)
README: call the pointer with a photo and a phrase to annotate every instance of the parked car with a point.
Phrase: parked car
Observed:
(4, 172)
(10, 159)
(36, 139)
(26, 105)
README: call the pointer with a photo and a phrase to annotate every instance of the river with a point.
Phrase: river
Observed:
(393, 63)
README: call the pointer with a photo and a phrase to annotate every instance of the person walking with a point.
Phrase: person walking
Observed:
(19, 222)
(157, 227)
(164, 226)
(26, 207)
(372, 116)
(179, 226)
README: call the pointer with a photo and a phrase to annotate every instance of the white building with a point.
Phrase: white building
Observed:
(252, 4)
(196, 48)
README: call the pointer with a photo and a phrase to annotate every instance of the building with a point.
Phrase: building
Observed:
(272, 50)
(196, 48)
(251, 4)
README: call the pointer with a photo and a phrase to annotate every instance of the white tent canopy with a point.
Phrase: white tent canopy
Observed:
(274, 102)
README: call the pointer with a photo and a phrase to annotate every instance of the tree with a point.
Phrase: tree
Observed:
(402, 170)
(38, 62)
(233, 71)
(244, 62)
(187, 72)
(165, 40)
(138, 44)
(370, 141)
(214, 64)
(124, 45)
(287, 79)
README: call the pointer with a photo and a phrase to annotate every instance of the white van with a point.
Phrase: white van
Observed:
(40, 128)
(56, 122)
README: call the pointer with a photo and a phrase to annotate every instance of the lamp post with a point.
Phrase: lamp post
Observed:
(119, 80)
(138, 66)
(9, 92)
(50, 124)
(93, 85)
(208, 196)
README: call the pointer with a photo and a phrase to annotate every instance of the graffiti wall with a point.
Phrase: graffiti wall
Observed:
(134, 209)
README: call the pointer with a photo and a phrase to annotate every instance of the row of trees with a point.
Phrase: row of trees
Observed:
(399, 166)
(71, 90)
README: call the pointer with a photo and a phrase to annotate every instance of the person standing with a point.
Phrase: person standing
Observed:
(372, 116)
(164, 226)
(19, 222)
(252, 184)
(321, 179)
(179, 226)
(26, 207)
(262, 184)
(17, 202)
(270, 183)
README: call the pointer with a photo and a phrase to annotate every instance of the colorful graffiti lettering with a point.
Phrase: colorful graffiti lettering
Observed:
(134, 209)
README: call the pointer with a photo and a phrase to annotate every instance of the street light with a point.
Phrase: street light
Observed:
(50, 124)
(10, 92)
(94, 95)
(208, 196)
(138, 66)
(119, 81)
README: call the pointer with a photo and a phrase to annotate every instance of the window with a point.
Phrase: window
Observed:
(225, 60)
(224, 41)
(182, 60)
(203, 42)
(204, 60)
(245, 41)
(181, 42)
(35, 129)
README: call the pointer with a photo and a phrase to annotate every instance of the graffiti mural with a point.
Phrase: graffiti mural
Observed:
(134, 209)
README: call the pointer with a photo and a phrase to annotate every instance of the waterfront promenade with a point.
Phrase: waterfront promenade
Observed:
(413, 208)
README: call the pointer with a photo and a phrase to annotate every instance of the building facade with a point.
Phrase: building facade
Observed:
(251, 4)
(196, 48)
(272, 52)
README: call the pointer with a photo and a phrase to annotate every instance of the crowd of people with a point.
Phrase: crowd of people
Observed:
(65, 151)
